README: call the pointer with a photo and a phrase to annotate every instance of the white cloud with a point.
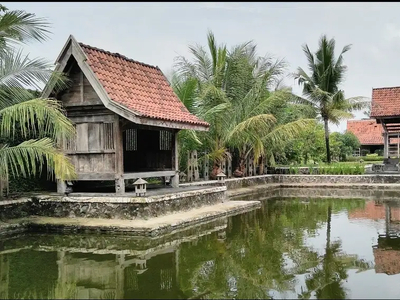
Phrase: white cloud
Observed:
(391, 32)
(229, 6)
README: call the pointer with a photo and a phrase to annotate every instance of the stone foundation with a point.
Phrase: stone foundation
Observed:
(13, 209)
(123, 208)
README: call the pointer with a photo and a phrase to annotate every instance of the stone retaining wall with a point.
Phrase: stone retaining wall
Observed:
(13, 209)
(235, 183)
(112, 207)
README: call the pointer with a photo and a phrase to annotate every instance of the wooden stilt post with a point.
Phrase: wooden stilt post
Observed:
(175, 160)
(119, 159)
(206, 167)
(229, 166)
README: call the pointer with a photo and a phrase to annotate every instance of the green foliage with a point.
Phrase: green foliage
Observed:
(372, 155)
(343, 145)
(365, 158)
(31, 128)
(237, 92)
(373, 158)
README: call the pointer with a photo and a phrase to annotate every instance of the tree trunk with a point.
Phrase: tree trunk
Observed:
(261, 165)
(328, 151)
(328, 227)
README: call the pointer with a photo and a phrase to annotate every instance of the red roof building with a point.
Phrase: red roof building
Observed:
(385, 102)
(385, 108)
(368, 131)
(126, 115)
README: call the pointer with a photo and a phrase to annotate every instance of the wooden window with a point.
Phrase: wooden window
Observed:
(108, 136)
(131, 140)
(70, 144)
(165, 140)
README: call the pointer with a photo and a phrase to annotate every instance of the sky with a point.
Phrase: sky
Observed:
(155, 33)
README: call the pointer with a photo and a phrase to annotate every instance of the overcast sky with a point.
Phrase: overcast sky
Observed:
(155, 33)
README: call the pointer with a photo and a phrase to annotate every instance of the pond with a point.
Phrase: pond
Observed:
(315, 249)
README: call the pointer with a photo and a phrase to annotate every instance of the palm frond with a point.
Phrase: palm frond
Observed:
(20, 26)
(252, 128)
(283, 133)
(336, 115)
(212, 46)
(18, 71)
(185, 90)
(36, 117)
(217, 109)
(28, 158)
(203, 62)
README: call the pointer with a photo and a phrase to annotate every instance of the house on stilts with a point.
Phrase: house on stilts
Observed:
(126, 116)
(385, 109)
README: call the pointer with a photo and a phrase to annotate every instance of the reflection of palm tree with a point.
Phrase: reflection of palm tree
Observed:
(253, 260)
(327, 278)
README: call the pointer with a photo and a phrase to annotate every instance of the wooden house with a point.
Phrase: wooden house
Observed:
(385, 109)
(126, 115)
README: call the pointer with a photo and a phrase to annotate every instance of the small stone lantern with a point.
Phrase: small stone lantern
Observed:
(182, 176)
(140, 187)
(221, 177)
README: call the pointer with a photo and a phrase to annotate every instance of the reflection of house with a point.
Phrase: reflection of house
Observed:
(387, 261)
(375, 211)
(387, 255)
(119, 276)
(91, 269)
(387, 251)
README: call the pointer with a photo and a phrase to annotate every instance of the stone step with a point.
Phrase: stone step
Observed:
(151, 227)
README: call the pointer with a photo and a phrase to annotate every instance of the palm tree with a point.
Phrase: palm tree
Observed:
(40, 123)
(235, 94)
(321, 86)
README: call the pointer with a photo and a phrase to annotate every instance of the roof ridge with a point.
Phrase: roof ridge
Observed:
(387, 87)
(115, 54)
(358, 120)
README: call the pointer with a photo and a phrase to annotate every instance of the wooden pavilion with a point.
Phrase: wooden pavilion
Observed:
(385, 108)
(126, 115)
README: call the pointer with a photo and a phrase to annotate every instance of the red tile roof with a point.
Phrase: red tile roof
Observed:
(137, 86)
(385, 102)
(368, 132)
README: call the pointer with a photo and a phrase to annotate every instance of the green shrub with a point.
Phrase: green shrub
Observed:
(372, 155)
(373, 158)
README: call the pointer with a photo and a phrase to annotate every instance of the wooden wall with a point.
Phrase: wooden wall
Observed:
(93, 149)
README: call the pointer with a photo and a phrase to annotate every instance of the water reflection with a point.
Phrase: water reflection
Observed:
(288, 249)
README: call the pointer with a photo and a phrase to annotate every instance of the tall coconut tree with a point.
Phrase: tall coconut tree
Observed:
(40, 123)
(321, 86)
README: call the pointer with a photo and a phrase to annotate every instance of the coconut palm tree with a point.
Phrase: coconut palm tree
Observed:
(40, 123)
(235, 94)
(321, 86)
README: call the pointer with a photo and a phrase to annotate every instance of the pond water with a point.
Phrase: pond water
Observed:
(315, 249)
